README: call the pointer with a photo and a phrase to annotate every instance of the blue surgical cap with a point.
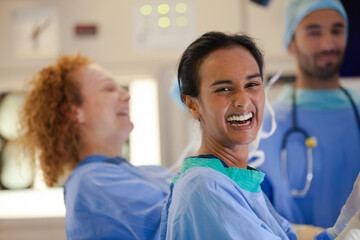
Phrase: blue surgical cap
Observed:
(296, 10)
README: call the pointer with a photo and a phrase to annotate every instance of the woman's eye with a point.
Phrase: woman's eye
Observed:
(252, 84)
(223, 89)
(110, 89)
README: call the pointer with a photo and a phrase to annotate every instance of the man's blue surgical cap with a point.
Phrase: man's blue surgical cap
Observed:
(296, 10)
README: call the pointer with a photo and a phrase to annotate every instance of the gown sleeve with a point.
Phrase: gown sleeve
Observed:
(107, 204)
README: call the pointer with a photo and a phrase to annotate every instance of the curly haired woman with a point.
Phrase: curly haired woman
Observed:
(75, 121)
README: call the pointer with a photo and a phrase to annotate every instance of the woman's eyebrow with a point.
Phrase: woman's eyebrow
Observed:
(221, 82)
(106, 80)
(253, 76)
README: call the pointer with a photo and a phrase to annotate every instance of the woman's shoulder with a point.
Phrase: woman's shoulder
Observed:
(203, 179)
(201, 174)
(104, 177)
(95, 175)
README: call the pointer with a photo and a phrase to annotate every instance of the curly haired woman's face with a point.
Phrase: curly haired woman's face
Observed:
(104, 113)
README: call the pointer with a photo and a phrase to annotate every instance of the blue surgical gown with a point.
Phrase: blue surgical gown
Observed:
(329, 117)
(211, 201)
(107, 198)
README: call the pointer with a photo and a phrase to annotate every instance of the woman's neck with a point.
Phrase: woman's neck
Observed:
(90, 146)
(235, 156)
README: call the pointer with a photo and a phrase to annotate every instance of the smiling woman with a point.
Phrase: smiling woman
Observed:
(75, 120)
(216, 195)
(230, 104)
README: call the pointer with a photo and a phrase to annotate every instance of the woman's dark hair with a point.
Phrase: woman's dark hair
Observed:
(198, 50)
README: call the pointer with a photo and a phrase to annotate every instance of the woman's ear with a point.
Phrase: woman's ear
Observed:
(193, 106)
(77, 114)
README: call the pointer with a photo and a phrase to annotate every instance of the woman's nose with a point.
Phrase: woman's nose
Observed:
(124, 95)
(241, 99)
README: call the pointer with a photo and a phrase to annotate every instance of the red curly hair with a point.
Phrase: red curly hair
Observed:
(48, 132)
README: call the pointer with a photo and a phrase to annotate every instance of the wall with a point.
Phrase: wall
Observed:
(32, 229)
(112, 47)
(266, 24)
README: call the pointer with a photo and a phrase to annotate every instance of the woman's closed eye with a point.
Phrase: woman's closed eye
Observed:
(110, 88)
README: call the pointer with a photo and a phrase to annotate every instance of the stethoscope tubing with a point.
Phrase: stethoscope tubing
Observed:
(353, 105)
(295, 128)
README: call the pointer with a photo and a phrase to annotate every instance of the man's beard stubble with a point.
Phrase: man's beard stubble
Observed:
(312, 70)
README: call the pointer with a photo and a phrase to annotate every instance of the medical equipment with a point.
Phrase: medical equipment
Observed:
(352, 229)
(350, 209)
(310, 143)
(258, 156)
(261, 2)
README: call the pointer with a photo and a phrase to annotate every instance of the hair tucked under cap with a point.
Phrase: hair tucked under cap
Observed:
(296, 10)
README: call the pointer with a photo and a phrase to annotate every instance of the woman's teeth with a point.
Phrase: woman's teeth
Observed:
(240, 120)
(240, 117)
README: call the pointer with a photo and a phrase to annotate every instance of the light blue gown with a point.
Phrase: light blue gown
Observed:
(329, 117)
(211, 201)
(107, 198)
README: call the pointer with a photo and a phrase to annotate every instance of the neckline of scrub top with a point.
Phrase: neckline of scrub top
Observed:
(248, 179)
(101, 158)
(318, 99)
(213, 157)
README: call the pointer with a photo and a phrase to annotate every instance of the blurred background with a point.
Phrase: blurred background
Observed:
(140, 43)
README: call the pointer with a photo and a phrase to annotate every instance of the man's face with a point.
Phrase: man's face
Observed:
(319, 43)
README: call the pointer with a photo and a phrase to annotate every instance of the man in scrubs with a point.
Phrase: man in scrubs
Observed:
(315, 35)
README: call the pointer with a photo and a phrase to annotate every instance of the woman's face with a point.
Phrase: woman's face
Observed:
(231, 97)
(104, 112)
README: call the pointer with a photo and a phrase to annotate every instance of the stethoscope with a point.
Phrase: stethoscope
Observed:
(310, 143)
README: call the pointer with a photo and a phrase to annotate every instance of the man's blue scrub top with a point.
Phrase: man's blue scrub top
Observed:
(329, 117)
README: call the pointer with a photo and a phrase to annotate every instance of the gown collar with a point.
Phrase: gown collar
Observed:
(248, 179)
(101, 158)
(318, 99)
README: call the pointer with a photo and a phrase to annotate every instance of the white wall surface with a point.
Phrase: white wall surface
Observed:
(112, 46)
(266, 24)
